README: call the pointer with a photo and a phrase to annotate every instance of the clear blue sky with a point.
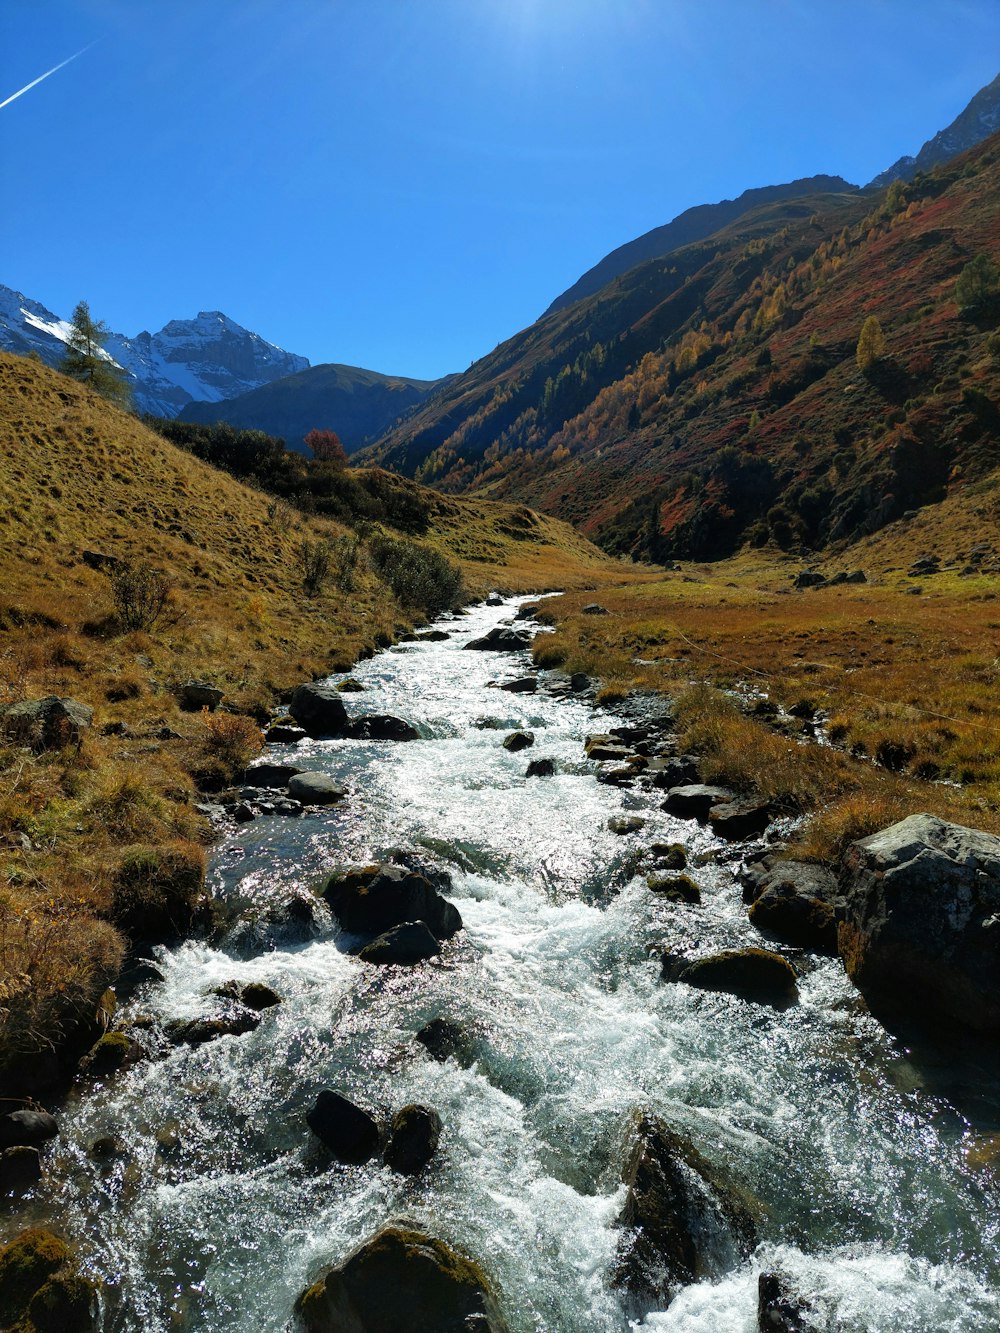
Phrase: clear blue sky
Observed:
(401, 184)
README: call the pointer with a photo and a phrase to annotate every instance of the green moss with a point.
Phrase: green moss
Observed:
(676, 888)
(65, 1304)
(108, 1055)
(26, 1264)
(670, 855)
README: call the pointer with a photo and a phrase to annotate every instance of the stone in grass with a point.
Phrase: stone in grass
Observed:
(403, 945)
(622, 824)
(312, 788)
(518, 740)
(541, 768)
(347, 1131)
(413, 1139)
(675, 888)
(753, 974)
(402, 1279)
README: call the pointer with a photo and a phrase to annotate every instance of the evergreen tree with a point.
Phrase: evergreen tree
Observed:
(85, 359)
(978, 285)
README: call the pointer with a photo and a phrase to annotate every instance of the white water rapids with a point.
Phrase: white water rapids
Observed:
(221, 1224)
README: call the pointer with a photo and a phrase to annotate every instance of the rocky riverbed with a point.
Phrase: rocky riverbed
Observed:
(601, 1100)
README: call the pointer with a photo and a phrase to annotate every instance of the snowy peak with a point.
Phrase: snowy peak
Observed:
(977, 122)
(208, 359)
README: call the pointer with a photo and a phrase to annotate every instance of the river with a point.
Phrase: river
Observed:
(216, 1212)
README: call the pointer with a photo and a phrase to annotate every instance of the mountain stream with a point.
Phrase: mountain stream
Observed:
(216, 1211)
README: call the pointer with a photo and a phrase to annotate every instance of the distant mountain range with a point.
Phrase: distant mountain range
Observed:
(977, 122)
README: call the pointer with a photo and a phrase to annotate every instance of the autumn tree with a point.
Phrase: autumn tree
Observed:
(326, 447)
(871, 345)
(87, 361)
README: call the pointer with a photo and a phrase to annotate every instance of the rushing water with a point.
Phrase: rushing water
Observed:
(219, 1211)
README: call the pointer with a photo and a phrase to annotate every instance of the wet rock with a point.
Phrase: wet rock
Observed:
(494, 599)
(282, 733)
(381, 727)
(523, 685)
(541, 768)
(114, 1051)
(258, 996)
(235, 1021)
(580, 681)
(444, 1040)
(622, 824)
(369, 900)
(684, 1222)
(401, 1279)
(779, 1310)
(745, 818)
(675, 888)
(20, 1169)
(319, 709)
(351, 686)
(669, 855)
(625, 776)
(27, 1129)
(193, 695)
(518, 740)
(432, 636)
(413, 1139)
(46, 724)
(403, 945)
(797, 903)
(753, 974)
(347, 1131)
(922, 922)
(501, 639)
(244, 813)
(40, 1288)
(695, 801)
(311, 788)
(679, 771)
(527, 612)
(607, 753)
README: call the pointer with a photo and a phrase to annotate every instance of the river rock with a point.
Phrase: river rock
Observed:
(109, 1054)
(541, 768)
(381, 727)
(523, 685)
(400, 1280)
(607, 753)
(685, 1222)
(312, 788)
(579, 681)
(258, 996)
(669, 855)
(922, 921)
(432, 635)
(266, 774)
(494, 599)
(675, 888)
(369, 900)
(527, 612)
(678, 771)
(695, 801)
(753, 974)
(744, 818)
(20, 1168)
(46, 724)
(319, 709)
(29, 1129)
(779, 1310)
(413, 1139)
(518, 740)
(282, 733)
(622, 824)
(501, 639)
(40, 1288)
(351, 686)
(349, 1133)
(796, 902)
(403, 945)
(234, 1021)
(443, 1040)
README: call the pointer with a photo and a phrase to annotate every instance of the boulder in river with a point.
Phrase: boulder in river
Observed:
(233, 1021)
(675, 888)
(381, 727)
(318, 709)
(684, 1221)
(265, 774)
(41, 1290)
(753, 974)
(443, 1040)
(622, 824)
(349, 1133)
(501, 639)
(368, 900)
(779, 1310)
(402, 1279)
(921, 932)
(27, 1129)
(413, 1139)
(541, 768)
(796, 902)
(518, 740)
(405, 944)
(284, 733)
(523, 685)
(312, 788)
(695, 800)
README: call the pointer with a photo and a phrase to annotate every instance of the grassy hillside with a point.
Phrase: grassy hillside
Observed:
(714, 396)
(82, 486)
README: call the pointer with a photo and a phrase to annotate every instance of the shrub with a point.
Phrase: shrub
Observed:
(978, 285)
(315, 564)
(232, 739)
(419, 578)
(346, 552)
(156, 889)
(140, 593)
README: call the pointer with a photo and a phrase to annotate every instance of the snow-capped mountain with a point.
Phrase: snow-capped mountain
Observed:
(208, 359)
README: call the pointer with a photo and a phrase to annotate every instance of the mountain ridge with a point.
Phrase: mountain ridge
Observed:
(975, 122)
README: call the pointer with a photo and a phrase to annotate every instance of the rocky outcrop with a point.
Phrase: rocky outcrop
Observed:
(752, 974)
(347, 1131)
(684, 1221)
(318, 709)
(369, 900)
(46, 724)
(921, 932)
(402, 1279)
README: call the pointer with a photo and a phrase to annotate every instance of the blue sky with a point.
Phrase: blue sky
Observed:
(402, 184)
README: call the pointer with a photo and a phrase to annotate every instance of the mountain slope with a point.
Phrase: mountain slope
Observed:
(358, 404)
(977, 122)
(694, 224)
(714, 395)
(209, 357)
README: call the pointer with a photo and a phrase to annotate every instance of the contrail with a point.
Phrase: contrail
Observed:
(54, 70)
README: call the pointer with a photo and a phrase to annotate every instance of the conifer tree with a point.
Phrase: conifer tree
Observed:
(85, 359)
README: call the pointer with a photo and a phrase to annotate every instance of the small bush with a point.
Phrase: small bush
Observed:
(420, 579)
(346, 554)
(314, 558)
(978, 285)
(232, 739)
(140, 593)
(127, 808)
(156, 889)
